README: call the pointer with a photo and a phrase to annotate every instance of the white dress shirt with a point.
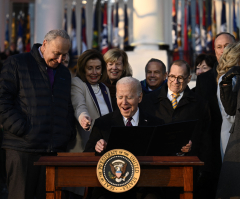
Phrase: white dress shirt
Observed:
(169, 95)
(135, 119)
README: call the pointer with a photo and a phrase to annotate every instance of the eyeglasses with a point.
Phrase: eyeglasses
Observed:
(180, 79)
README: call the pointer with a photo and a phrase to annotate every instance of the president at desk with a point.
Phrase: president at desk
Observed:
(129, 95)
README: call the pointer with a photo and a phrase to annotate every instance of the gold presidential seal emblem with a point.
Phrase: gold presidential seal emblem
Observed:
(118, 170)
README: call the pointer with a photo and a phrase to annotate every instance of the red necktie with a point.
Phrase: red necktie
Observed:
(129, 122)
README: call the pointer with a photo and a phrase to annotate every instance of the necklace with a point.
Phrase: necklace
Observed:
(95, 88)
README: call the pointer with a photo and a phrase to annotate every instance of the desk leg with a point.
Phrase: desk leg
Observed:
(188, 183)
(50, 182)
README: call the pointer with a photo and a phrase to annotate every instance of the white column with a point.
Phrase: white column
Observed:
(48, 16)
(152, 24)
(151, 20)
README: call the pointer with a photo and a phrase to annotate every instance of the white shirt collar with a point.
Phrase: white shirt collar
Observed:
(169, 95)
(39, 50)
(135, 119)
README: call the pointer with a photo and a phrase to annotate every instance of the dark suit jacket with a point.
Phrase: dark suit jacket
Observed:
(190, 107)
(101, 130)
(102, 126)
(206, 87)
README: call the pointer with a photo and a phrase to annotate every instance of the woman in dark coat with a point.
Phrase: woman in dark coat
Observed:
(229, 181)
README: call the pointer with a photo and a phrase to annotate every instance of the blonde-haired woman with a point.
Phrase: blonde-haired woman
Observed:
(229, 58)
(117, 67)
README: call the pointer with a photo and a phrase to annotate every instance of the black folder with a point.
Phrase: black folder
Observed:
(168, 139)
(134, 139)
(164, 140)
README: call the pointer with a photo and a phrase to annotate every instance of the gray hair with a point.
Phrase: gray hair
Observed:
(53, 34)
(132, 81)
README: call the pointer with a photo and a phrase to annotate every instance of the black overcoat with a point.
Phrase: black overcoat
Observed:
(206, 87)
(190, 107)
(35, 117)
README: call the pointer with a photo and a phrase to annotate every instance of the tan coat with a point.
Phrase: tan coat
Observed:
(83, 105)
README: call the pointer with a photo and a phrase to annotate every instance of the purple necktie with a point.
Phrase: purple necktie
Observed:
(51, 76)
(129, 122)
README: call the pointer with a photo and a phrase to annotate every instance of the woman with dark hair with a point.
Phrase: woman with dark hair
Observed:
(204, 63)
(90, 99)
(117, 67)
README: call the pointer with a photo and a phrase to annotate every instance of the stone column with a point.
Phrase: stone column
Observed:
(152, 26)
(48, 16)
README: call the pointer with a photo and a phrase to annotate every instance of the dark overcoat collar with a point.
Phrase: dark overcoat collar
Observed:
(188, 96)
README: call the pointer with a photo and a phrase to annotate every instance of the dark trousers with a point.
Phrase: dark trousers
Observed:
(24, 180)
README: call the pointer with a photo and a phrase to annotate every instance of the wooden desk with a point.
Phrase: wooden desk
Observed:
(80, 171)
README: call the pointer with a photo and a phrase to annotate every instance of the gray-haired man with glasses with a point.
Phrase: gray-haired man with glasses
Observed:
(175, 102)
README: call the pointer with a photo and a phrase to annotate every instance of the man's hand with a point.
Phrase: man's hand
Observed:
(227, 78)
(187, 148)
(101, 145)
(86, 123)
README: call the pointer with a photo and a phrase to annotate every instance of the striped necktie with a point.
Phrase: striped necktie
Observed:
(129, 123)
(174, 99)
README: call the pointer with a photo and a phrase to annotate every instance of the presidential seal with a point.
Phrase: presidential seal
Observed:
(118, 170)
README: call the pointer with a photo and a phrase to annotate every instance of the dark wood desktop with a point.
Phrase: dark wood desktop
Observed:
(79, 170)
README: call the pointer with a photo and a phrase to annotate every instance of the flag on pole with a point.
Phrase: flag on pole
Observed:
(7, 31)
(209, 28)
(115, 29)
(126, 39)
(104, 44)
(234, 21)
(238, 17)
(214, 25)
(198, 47)
(179, 26)
(13, 35)
(73, 33)
(204, 34)
(20, 31)
(185, 29)
(112, 26)
(174, 26)
(223, 18)
(95, 29)
(64, 25)
(83, 35)
(189, 27)
(27, 40)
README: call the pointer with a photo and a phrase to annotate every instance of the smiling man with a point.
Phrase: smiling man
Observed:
(36, 112)
(175, 102)
(129, 95)
(155, 76)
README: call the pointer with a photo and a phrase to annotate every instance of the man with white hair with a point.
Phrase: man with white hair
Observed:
(36, 112)
(129, 95)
